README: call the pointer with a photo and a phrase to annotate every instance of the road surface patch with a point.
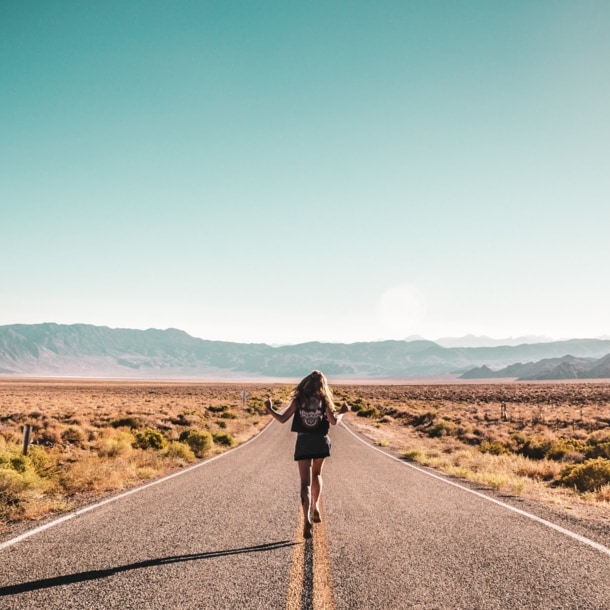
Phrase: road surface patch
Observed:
(596, 545)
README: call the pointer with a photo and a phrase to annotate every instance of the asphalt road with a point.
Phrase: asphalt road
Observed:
(227, 535)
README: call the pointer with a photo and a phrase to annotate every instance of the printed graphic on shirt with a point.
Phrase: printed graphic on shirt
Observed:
(311, 416)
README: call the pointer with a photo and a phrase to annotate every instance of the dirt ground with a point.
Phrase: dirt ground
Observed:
(439, 424)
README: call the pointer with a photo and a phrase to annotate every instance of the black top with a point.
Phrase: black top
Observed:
(311, 418)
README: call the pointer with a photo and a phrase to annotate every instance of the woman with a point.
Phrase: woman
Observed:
(314, 410)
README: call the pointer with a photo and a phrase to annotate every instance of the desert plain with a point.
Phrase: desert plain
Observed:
(544, 442)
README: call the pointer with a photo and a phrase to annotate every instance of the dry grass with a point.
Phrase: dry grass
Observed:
(96, 437)
(517, 438)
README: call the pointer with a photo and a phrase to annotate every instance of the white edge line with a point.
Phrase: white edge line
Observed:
(563, 530)
(129, 492)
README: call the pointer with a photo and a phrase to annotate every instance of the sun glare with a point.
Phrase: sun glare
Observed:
(401, 308)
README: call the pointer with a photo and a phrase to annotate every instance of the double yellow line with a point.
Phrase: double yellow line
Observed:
(310, 586)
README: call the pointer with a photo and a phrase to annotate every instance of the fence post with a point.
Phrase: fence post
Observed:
(27, 432)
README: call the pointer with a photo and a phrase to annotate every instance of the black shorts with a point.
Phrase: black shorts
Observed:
(311, 446)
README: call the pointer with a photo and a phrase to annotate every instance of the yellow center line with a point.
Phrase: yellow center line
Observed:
(295, 583)
(310, 584)
(323, 598)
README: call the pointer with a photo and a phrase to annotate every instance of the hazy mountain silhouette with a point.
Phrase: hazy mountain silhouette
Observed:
(480, 372)
(98, 351)
(484, 341)
(567, 367)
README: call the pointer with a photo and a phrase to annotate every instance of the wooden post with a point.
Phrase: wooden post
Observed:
(27, 432)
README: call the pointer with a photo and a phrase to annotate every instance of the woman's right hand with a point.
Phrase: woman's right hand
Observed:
(268, 404)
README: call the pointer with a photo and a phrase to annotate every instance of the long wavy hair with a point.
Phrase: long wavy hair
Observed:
(314, 386)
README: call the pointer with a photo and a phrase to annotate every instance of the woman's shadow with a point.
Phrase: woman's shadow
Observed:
(68, 579)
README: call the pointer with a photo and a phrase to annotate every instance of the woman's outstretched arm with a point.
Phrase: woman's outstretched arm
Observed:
(282, 416)
(335, 418)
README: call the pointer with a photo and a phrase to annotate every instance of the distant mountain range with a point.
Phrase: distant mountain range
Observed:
(567, 367)
(483, 341)
(83, 350)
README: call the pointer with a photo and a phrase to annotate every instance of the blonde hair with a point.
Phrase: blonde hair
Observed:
(315, 385)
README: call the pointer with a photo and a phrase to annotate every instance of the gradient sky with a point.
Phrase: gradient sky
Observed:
(283, 171)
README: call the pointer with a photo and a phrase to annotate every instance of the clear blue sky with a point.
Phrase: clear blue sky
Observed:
(285, 171)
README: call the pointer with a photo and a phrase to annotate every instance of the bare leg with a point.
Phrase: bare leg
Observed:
(316, 486)
(305, 474)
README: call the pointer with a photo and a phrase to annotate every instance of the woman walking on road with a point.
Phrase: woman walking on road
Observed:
(314, 411)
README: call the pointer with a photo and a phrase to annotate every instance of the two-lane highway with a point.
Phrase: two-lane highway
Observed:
(227, 534)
